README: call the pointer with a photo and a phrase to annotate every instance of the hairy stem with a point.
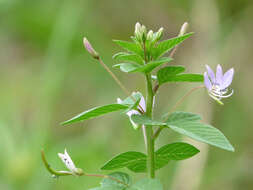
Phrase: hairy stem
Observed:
(149, 129)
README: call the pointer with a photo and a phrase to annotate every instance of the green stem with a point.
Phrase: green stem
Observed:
(149, 130)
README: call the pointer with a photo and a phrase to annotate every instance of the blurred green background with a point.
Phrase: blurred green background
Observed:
(47, 77)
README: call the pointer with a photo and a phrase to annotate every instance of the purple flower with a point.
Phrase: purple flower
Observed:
(218, 85)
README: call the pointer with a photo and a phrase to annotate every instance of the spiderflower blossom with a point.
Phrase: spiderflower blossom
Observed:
(218, 85)
(69, 163)
(141, 106)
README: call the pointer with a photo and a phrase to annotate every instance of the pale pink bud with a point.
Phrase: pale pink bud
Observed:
(90, 49)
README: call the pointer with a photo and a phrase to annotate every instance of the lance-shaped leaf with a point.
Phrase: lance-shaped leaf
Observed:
(132, 58)
(134, 161)
(201, 132)
(130, 46)
(130, 159)
(176, 151)
(128, 67)
(145, 120)
(180, 116)
(180, 78)
(170, 70)
(131, 67)
(167, 45)
(95, 112)
(153, 64)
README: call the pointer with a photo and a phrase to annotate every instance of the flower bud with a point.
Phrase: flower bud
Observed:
(183, 29)
(150, 35)
(90, 49)
(137, 28)
(144, 33)
(159, 34)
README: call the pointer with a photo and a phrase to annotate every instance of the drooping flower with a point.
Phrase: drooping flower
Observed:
(141, 106)
(69, 163)
(218, 85)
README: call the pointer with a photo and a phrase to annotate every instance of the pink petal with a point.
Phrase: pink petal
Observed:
(219, 75)
(227, 78)
(210, 74)
(207, 82)
(143, 104)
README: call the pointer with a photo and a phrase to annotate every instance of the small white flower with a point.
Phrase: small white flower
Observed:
(142, 105)
(68, 162)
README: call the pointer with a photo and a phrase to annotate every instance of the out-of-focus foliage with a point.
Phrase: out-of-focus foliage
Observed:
(46, 75)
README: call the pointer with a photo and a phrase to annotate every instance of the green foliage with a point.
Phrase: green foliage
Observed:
(148, 184)
(167, 45)
(180, 116)
(176, 151)
(132, 58)
(173, 74)
(95, 112)
(181, 78)
(188, 124)
(145, 120)
(112, 184)
(132, 67)
(123, 177)
(131, 47)
(202, 132)
(135, 161)
(170, 70)
(125, 183)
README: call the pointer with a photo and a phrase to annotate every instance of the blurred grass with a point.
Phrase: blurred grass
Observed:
(46, 77)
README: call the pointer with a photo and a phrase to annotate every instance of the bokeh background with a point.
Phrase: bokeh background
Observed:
(47, 77)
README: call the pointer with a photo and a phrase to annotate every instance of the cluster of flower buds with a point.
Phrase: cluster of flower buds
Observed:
(141, 34)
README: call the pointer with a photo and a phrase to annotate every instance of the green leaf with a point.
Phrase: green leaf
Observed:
(167, 45)
(123, 177)
(170, 70)
(201, 132)
(176, 151)
(95, 112)
(129, 101)
(134, 161)
(153, 64)
(130, 46)
(181, 78)
(131, 67)
(179, 116)
(112, 187)
(128, 67)
(127, 159)
(132, 58)
(148, 184)
(145, 120)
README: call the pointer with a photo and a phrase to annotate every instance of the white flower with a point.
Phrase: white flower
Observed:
(141, 106)
(68, 162)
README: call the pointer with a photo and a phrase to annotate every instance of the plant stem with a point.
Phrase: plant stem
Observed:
(149, 130)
